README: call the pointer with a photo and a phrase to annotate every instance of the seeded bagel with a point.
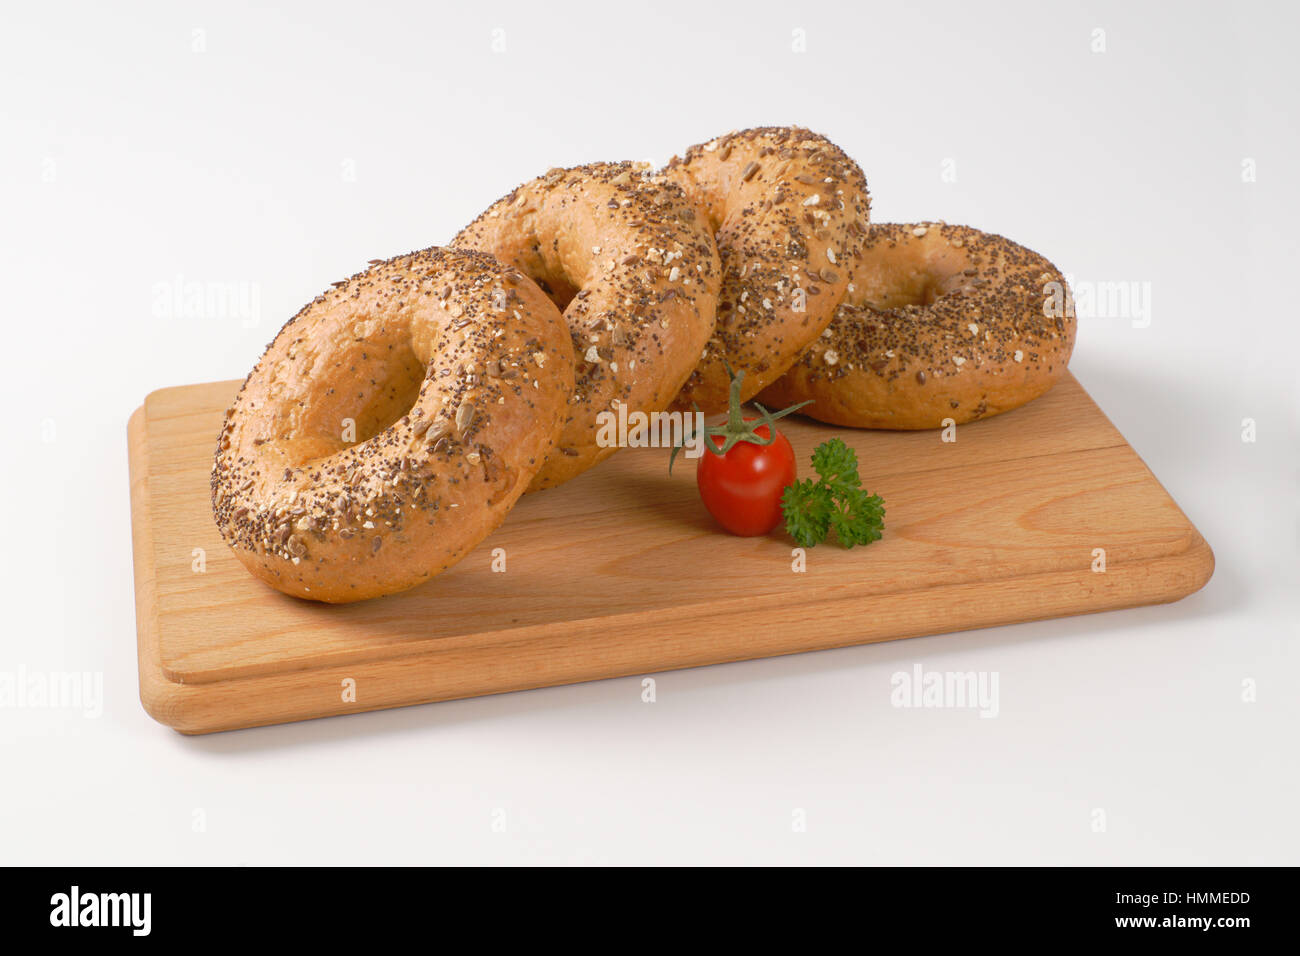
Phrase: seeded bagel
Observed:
(941, 322)
(391, 425)
(637, 276)
(788, 210)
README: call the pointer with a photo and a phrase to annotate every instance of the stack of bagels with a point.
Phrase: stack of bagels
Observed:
(396, 419)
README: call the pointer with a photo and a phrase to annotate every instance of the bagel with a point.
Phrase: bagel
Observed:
(788, 210)
(636, 275)
(942, 322)
(391, 425)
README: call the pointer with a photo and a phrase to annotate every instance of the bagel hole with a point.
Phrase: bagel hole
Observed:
(546, 272)
(920, 290)
(389, 403)
(558, 289)
(373, 384)
(900, 281)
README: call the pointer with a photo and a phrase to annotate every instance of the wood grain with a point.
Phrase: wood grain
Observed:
(621, 571)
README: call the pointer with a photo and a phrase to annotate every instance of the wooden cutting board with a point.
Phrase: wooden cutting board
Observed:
(622, 571)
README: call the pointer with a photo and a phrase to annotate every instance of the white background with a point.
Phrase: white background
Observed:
(282, 149)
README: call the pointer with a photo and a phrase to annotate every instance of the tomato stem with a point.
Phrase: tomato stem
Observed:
(737, 429)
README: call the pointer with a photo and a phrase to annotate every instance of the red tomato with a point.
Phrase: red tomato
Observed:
(742, 489)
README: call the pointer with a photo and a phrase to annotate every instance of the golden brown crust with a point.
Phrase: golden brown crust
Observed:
(788, 209)
(391, 425)
(942, 322)
(637, 276)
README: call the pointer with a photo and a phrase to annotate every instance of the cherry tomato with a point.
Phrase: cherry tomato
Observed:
(742, 489)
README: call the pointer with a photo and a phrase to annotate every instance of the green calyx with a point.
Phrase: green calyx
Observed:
(736, 429)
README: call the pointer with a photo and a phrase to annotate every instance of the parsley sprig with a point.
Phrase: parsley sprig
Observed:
(834, 501)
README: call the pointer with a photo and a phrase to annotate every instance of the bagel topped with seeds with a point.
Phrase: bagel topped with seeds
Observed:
(637, 275)
(942, 322)
(788, 210)
(391, 425)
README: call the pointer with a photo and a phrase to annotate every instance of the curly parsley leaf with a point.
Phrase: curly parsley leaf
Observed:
(835, 501)
(808, 510)
(859, 518)
(837, 464)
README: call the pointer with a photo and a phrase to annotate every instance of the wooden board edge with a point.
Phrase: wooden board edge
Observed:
(195, 709)
(155, 690)
(1200, 561)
